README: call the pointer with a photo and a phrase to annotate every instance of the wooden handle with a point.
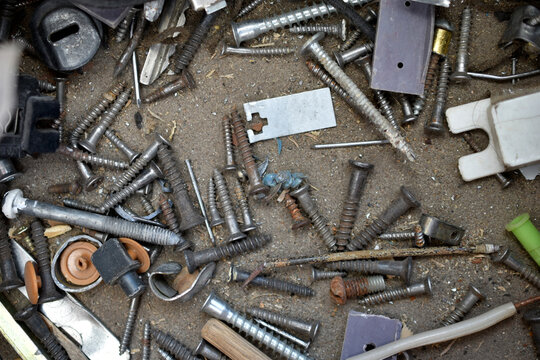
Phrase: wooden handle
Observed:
(230, 342)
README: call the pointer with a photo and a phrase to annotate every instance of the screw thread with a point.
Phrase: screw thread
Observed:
(118, 197)
(54, 349)
(170, 169)
(183, 81)
(272, 283)
(46, 86)
(333, 29)
(119, 143)
(405, 235)
(385, 296)
(215, 217)
(359, 287)
(230, 249)
(386, 108)
(74, 188)
(168, 214)
(454, 317)
(26, 46)
(306, 328)
(223, 194)
(464, 33)
(327, 80)
(252, 5)
(146, 341)
(29, 245)
(442, 86)
(431, 72)
(242, 202)
(132, 171)
(366, 237)
(320, 224)
(528, 274)
(130, 324)
(42, 247)
(151, 234)
(267, 51)
(419, 240)
(76, 204)
(165, 355)
(177, 349)
(147, 205)
(91, 158)
(346, 223)
(298, 219)
(123, 28)
(360, 266)
(227, 135)
(324, 274)
(351, 40)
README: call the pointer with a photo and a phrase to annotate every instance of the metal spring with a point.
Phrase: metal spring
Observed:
(327, 80)
(252, 5)
(363, 286)
(296, 214)
(91, 158)
(123, 28)
(147, 205)
(351, 40)
(130, 324)
(146, 341)
(172, 345)
(76, 204)
(46, 86)
(346, 222)
(168, 214)
(241, 246)
(419, 240)
(385, 296)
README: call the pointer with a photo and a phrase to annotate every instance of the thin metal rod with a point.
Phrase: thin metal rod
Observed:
(503, 78)
(135, 72)
(350, 144)
(200, 200)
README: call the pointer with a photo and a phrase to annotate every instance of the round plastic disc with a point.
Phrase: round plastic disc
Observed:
(32, 282)
(76, 263)
(137, 252)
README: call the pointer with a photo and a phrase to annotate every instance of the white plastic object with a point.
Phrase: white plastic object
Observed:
(513, 128)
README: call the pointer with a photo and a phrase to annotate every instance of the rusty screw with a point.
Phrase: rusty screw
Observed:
(168, 214)
(341, 291)
(184, 81)
(419, 240)
(74, 188)
(299, 221)
(248, 223)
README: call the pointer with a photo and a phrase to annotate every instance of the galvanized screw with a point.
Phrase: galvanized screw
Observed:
(215, 217)
(361, 50)
(404, 235)
(436, 124)
(123, 27)
(293, 339)
(185, 80)
(146, 341)
(10, 279)
(415, 289)
(252, 5)
(74, 188)
(121, 145)
(357, 182)
(238, 275)
(247, 224)
(402, 268)
(48, 290)
(464, 306)
(397, 208)
(406, 108)
(299, 221)
(362, 102)
(216, 307)
(130, 324)
(202, 257)
(317, 274)
(226, 206)
(307, 329)
(460, 74)
(207, 351)
(338, 30)
(230, 164)
(525, 271)
(91, 158)
(172, 345)
(77, 204)
(266, 51)
(341, 291)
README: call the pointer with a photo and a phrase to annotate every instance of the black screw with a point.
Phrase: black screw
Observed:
(464, 306)
(48, 290)
(402, 268)
(172, 345)
(397, 208)
(10, 279)
(527, 272)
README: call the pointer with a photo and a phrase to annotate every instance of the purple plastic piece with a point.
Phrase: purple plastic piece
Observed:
(365, 331)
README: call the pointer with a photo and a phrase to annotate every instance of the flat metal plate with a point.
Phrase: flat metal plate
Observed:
(402, 46)
(292, 114)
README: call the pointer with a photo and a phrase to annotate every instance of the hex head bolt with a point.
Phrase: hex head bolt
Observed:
(230, 164)
(319, 222)
(195, 259)
(189, 215)
(464, 306)
(89, 179)
(121, 145)
(173, 346)
(91, 158)
(116, 267)
(206, 350)
(299, 221)
(146, 341)
(48, 291)
(73, 188)
(39, 328)
(397, 208)
(357, 182)
(227, 208)
(416, 289)
(362, 102)
(215, 217)
(256, 185)
(15, 203)
(435, 125)
(184, 81)
(247, 224)
(239, 275)
(318, 274)
(528, 273)
(10, 279)
(216, 307)
(306, 329)
(462, 59)
(532, 317)
(348, 56)
(130, 324)
(402, 268)
(107, 118)
(341, 290)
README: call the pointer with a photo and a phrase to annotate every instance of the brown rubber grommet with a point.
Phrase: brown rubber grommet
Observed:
(137, 252)
(32, 282)
(76, 263)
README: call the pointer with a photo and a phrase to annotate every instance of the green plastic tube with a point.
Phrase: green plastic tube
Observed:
(527, 234)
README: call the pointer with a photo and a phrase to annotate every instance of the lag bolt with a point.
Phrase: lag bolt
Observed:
(341, 291)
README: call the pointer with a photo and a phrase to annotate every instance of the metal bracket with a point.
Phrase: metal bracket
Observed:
(518, 28)
(441, 231)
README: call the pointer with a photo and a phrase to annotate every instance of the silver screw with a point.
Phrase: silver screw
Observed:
(338, 30)
(230, 164)
(527, 272)
(122, 146)
(89, 180)
(266, 51)
(147, 205)
(361, 50)
(77, 204)
(369, 110)
(307, 329)
(252, 5)
(406, 107)
(165, 355)
(464, 306)
(317, 274)
(248, 224)
(91, 158)
(460, 74)
(228, 211)
(250, 29)
(215, 217)
(416, 289)
(15, 203)
(404, 235)
(436, 124)
(349, 144)
(209, 352)
(303, 344)
(370, 17)
(147, 337)
(130, 324)
(216, 307)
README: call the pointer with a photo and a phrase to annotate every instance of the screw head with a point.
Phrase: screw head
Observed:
(258, 189)
(300, 191)
(343, 33)
(248, 228)
(476, 292)
(409, 119)
(427, 284)
(304, 50)
(406, 273)
(236, 34)
(12, 199)
(409, 197)
(236, 236)
(500, 255)
(162, 140)
(216, 222)
(93, 182)
(434, 127)
(155, 169)
(223, 49)
(361, 165)
(337, 291)
(88, 146)
(444, 24)
(190, 261)
(459, 76)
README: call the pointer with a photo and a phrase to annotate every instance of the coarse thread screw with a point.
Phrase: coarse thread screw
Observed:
(91, 158)
(266, 51)
(46, 86)
(370, 17)
(230, 164)
(359, 51)
(501, 178)
(406, 108)
(123, 27)
(341, 291)
(208, 351)
(238, 275)
(248, 224)
(299, 221)
(147, 205)
(185, 80)
(146, 341)
(415, 289)
(189, 215)
(121, 145)
(215, 217)
(404, 235)
(307, 329)
(226, 206)
(252, 5)
(195, 40)
(363, 103)
(165, 355)
(317, 274)
(464, 306)
(110, 114)
(419, 240)
(74, 188)
(172, 345)
(462, 59)
(256, 185)
(285, 335)
(319, 222)
(397, 208)
(528, 273)
(168, 214)
(195, 259)
(357, 182)
(10, 279)
(338, 30)
(48, 290)
(127, 55)
(22, 237)
(15, 203)
(436, 124)
(96, 112)
(130, 324)
(402, 268)
(77, 204)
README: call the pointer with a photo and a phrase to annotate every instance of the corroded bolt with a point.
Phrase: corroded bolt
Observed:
(307, 329)
(238, 275)
(177, 349)
(357, 182)
(464, 306)
(48, 290)
(208, 351)
(419, 240)
(230, 164)
(168, 214)
(397, 208)
(317, 274)
(74, 188)
(89, 179)
(319, 222)
(299, 221)
(527, 272)
(338, 30)
(10, 279)
(402, 268)
(226, 205)
(248, 224)
(415, 289)
(202, 257)
(185, 80)
(460, 73)
(256, 185)
(341, 290)
(215, 217)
